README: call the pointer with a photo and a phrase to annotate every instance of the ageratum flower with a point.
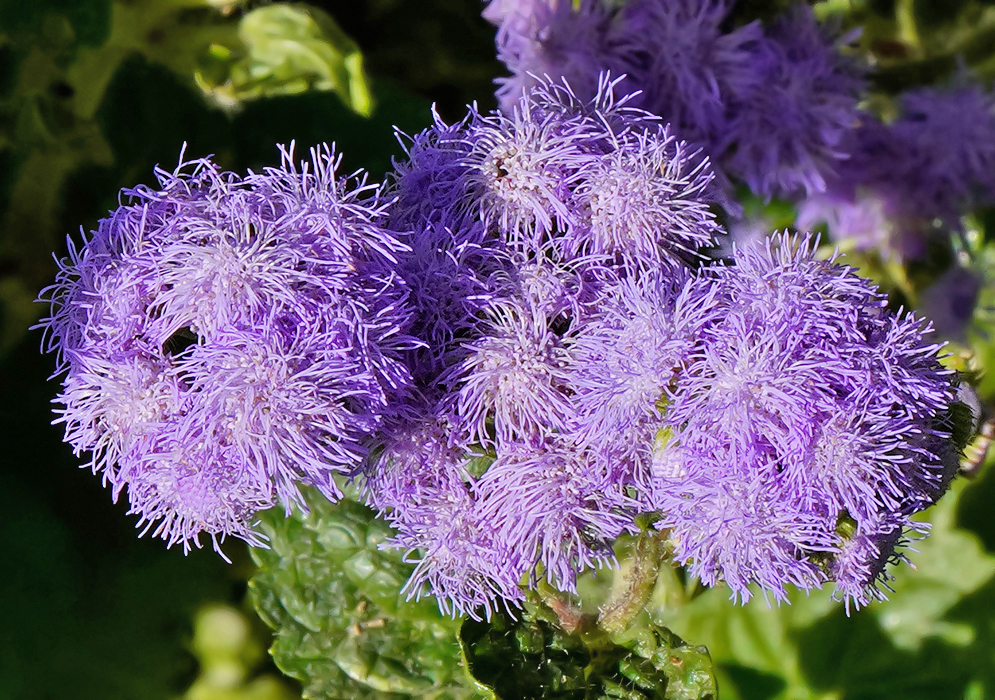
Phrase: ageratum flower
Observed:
(568, 41)
(687, 66)
(625, 359)
(554, 507)
(451, 277)
(226, 338)
(513, 383)
(947, 138)
(645, 200)
(522, 169)
(806, 405)
(421, 485)
(934, 161)
(787, 128)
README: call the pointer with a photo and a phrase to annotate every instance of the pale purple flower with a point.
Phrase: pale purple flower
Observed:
(226, 338)
(687, 66)
(807, 401)
(513, 383)
(625, 360)
(646, 201)
(904, 178)
(554, 507)
(420, 483)
(787, 129)
(523, 168)
(565, 41)
(947, 140)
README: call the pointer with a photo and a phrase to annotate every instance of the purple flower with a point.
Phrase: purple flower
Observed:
(788, 127)
(522, 169)
(225, 338)
(686, 65)
(805, 403)
(420, 483)
(625, 360)
(934, 161)
(427, 185)
(452, 279)
(513, 383)
(947, 139)
(645, 200)
(554, 507)
(566, 41)
(859, 568)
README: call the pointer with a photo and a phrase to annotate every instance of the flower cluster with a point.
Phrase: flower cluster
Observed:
(226, 338)
(783, 423)
(773, 106)
(805, 406)
(519, 346)
(934, 161)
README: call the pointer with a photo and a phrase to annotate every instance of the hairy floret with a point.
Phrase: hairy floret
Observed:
(808, 396)
(227, 337)
(788, 127)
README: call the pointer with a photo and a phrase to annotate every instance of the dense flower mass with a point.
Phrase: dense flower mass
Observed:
(774, 106)
(225, 338)
(782, 423)
(806, 404)
(520, 346)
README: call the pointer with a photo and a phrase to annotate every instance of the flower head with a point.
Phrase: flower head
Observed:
(804, 403)
(687, 66)
(788, 127)
(645, 200)
(224, 338)
(513, 383)
(566, 41)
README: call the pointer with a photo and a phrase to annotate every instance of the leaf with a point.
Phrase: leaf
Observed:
(343, 628)
(948, 565)
(286, 49)
(533, 658)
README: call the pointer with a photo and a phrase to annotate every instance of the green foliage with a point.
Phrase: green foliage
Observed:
(285, 50)
(88, 610)
(343, 627)
(345, 631)
(534, 658)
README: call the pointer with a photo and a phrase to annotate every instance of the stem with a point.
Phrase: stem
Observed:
(631, 599)
(908, 32)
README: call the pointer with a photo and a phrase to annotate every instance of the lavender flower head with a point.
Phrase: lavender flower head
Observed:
(948, 139)
(787, 128)
(687, 67)
(806, 406)
(566, 40)
(933, 162)
(225, 338)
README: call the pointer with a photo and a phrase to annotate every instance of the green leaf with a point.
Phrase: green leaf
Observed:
(343, 627)
(533, 658)
(949, 565)
(286, 49)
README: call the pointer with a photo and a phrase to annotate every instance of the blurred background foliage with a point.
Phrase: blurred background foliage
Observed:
(95, 93)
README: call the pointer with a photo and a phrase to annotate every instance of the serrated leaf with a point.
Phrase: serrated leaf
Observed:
(532, 658)
(343, 627)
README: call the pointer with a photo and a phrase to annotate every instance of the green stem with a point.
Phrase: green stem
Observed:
(640, 580)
